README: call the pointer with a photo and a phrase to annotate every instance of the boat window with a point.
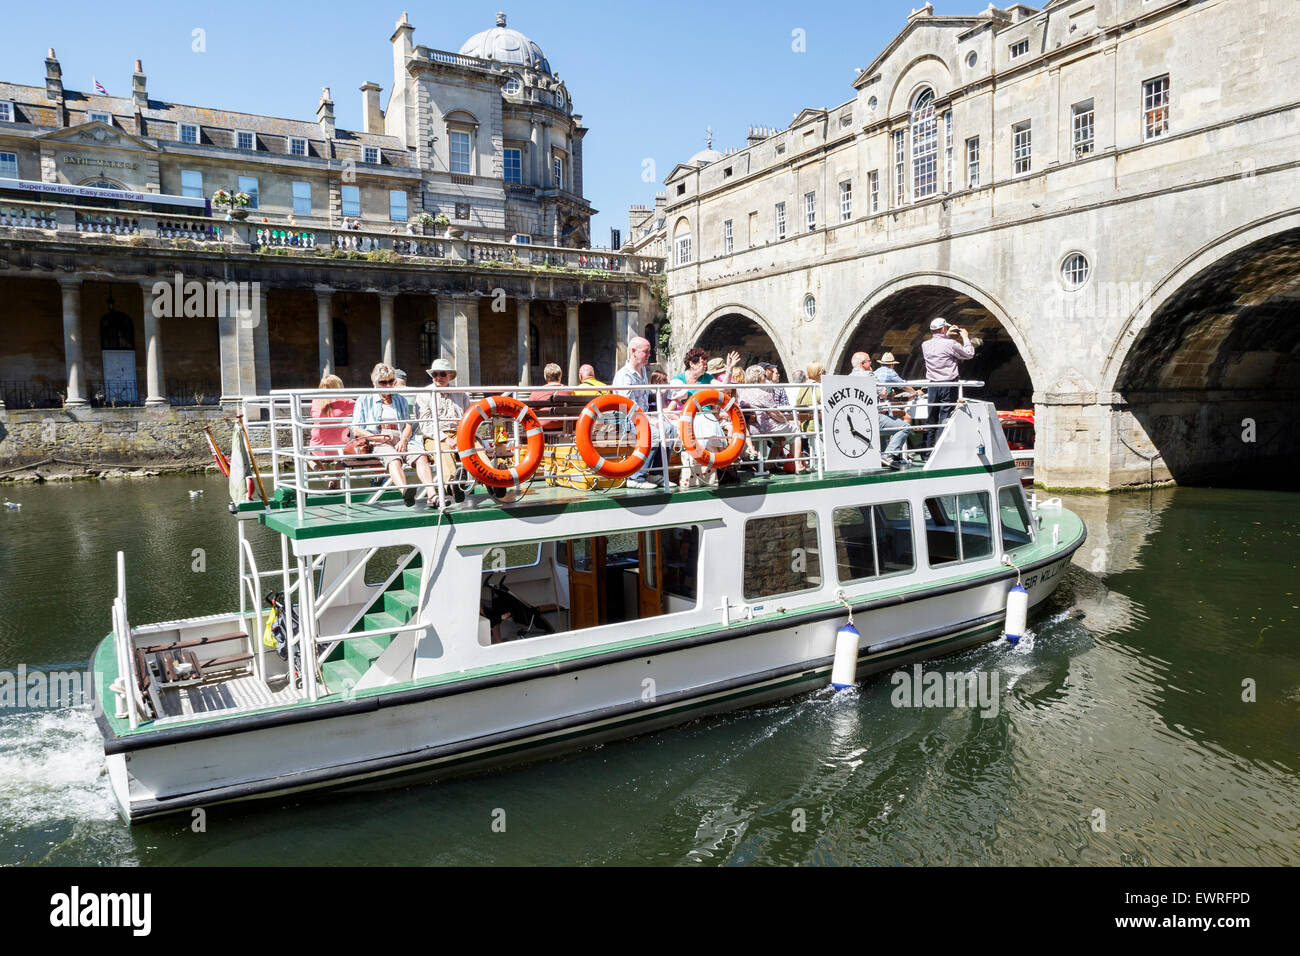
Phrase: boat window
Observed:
(781, 555)
(534, 589)
(1017, 528)
(873, 540)
(507, 557)
(957, 528)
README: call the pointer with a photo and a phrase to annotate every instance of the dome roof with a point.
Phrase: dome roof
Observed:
(708, 154)
(507, 46)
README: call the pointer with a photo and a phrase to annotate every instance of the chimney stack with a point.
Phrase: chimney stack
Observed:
(325, 113)
(372, 117)
(139, 90)
(53, 79)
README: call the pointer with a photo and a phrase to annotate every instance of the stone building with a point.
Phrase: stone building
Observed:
(1104, 191)
(106, 207)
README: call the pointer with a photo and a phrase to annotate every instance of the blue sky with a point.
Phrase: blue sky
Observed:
(646, 77)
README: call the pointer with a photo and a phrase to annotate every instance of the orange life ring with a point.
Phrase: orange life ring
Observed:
(731, 408)
(472, 458)
(618, 467)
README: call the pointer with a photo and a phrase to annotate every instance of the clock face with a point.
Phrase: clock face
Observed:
(851, 430)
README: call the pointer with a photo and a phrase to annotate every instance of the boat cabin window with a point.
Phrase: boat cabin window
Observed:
(873, 540)
(957, 528)
(781, 555)
(1017, 527)
(533, 589)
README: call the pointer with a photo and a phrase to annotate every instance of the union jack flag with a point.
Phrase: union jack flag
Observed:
(99, 87)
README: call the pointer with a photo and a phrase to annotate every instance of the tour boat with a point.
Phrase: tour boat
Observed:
(1018, 427)
(567, 608)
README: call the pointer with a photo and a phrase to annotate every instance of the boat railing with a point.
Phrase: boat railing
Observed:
(784, 423)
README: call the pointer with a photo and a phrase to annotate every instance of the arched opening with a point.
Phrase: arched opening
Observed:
(739, 333)
(1211, 382)
(900, 323)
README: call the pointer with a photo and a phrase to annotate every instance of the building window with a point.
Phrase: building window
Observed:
(781, 555)
(1019, 49)
(1021, 143)
(846, 201)
(248, 184)
(352, 201)
(780, 220)
(429, 342)
(340, 343)
(557, 170)
(1075, 270)
(461, 212)
(297, 146)
(1083, 128)
(873, 186)
(973, 162)
(6, 112)
(810, 306)
(900, 167)
(728, 241)
(244, 139)
(514, 165)
(189, 134)
(947, 151)
(397, 205)
(925, 147)
(460, 153)
(726, 173)
(1155, 107)
(105, 118)
(512, 86)
(957, 528)
(810, 210)
(9, 165)
(192, 183)
(681, 189)
(372, 155)
(872, 541)
(302, 199)
(846, 120)
(682, 242)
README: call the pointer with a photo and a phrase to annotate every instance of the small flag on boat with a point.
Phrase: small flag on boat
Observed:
(239, 492)
(99, 87)
(222, 462)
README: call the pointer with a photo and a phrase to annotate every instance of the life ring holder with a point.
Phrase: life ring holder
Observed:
(471, 456)
(730, 408)
(617, 467)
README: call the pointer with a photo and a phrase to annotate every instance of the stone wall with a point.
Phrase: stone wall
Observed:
(111, 436)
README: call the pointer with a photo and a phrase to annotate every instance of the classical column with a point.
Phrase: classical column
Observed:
(155, 390)
(625, 329)
(228, 344)
(325, 329)
(571, 328)
(524, 342)
(71, 289)
(262, 342)
(386, 348)
(446, 330)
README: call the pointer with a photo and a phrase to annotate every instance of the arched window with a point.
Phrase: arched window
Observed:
(682, 242)
(428, 342)
(925, 146)
(340, 344)
(116, 331)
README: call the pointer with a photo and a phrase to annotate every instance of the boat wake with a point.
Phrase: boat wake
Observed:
(52, 769)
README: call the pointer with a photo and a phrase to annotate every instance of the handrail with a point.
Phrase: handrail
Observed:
(123, 628)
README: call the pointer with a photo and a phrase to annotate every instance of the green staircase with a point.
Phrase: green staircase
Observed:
(348, 662)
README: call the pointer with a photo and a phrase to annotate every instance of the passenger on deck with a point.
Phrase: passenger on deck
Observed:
(433, 437)
(553, 423)
(769, 423)
(807, 400)
(697, 361)
(631, 380)
(590, 384)
(327, 440)
(942, 353)
(384, 421)
(718, 369)
(657, 378)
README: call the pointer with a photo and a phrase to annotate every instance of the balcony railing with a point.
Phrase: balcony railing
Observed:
(406, 241)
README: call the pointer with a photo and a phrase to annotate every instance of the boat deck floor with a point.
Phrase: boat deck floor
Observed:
(235, 694)
(328, 515)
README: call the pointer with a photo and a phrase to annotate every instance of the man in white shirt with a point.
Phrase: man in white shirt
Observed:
(631, 380)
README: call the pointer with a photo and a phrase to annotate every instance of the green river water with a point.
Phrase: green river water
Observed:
(1121, 734)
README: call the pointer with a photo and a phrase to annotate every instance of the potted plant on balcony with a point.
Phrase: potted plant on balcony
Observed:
(239, 205)
(425, 221)
(441, 221)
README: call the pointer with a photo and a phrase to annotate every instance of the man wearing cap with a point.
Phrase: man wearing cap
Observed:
(451, 409)
(942, 354)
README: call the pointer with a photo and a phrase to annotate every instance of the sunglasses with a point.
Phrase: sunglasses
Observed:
(387, 381)
(441, 374)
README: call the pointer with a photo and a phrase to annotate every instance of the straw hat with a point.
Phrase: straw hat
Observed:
(442, 365)
(717, 366)
(887, 359)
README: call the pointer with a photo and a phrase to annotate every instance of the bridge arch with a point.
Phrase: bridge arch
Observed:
(895, 317)
(736, 326)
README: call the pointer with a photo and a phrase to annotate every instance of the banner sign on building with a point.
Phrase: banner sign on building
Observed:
(98, 192)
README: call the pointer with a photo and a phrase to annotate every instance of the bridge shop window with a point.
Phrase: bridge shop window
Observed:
(1083, 126)
(973, 162)
(1155, 107)
(780, 220)
(873, 540)
(957, 528)
(532, 589)
(1021, 147)
(782, 555)
(925, 146)
(1017, 526)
